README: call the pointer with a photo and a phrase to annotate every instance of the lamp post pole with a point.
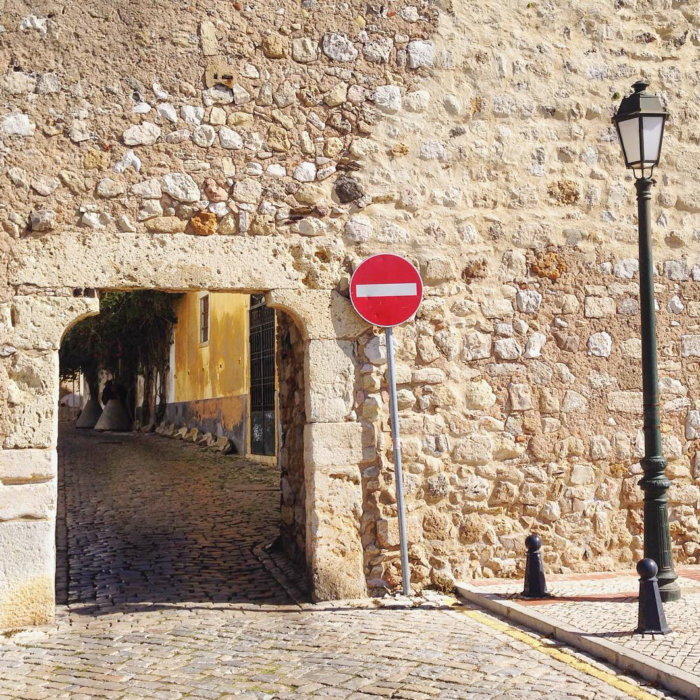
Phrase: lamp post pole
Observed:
(657, 537)
(640, 121)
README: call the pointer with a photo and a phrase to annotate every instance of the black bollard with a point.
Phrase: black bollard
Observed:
(652, 619)
(535, 585)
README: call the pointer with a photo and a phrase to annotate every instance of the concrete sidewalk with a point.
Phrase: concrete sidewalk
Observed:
(597, 613)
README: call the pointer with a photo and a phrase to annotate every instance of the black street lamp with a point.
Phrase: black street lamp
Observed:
(640, 126)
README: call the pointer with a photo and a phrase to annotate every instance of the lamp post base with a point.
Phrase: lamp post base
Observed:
(669, 591)
(657, 536)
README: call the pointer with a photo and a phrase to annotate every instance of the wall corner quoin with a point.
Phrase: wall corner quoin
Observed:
(334, 510)
(330, 368)
(332, 444)
(27, 592)
(337, 578)
(332, 449)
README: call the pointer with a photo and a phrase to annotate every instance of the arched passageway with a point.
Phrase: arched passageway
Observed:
(37, 319)
(146, 519)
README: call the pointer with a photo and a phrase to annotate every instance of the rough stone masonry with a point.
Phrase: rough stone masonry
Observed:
(270, 146)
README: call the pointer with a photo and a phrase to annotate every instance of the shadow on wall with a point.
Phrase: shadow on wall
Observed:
(292, 418)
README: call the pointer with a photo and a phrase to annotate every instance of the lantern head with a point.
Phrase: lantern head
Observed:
(640, 125)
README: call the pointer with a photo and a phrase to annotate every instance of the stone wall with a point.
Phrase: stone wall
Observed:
(247, 136)
(539, 431)
(292, 418)
(502, 179)
(31, 331)
(290, 142)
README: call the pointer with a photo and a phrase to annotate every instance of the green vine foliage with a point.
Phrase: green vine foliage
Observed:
(81, 351)
(130, 336)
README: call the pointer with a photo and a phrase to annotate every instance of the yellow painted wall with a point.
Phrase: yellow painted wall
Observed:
(220, 367)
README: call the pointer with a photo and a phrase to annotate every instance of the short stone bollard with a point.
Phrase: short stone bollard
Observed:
(535, 584)
(652, 619)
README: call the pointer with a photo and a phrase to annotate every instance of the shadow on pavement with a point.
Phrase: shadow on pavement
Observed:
(145, 520)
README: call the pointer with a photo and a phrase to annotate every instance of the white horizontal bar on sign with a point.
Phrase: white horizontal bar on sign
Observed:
(399, 289)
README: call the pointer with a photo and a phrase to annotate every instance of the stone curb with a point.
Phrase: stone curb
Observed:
(291, 589)
(670, 677)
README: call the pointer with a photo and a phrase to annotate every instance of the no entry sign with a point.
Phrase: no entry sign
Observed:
(386, 290)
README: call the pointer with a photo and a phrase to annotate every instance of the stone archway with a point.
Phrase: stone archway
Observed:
(34, 322)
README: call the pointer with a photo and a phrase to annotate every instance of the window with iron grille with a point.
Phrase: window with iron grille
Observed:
(262, 377)
(204, 319)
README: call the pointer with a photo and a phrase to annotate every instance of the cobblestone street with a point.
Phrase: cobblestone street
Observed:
(152, 521)
(166, 594)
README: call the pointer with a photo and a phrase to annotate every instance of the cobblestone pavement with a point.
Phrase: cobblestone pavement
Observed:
(153, 520)
(166, 598)
(606, 605)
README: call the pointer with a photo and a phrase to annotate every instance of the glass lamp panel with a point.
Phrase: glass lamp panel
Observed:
(652, 131)
(629, 135)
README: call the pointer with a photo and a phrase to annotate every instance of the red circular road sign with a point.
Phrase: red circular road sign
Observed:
(386, 290)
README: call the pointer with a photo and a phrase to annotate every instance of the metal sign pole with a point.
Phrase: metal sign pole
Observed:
(405, 573)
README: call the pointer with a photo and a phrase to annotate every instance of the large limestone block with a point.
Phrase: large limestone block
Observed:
(690, 345)
(160, 261)
(330, 380)
(436, 525)
(320, 314)
(39, 322)
(338, 576)
(436, 270)
(32, 401)
(334, 545)
(474, 450)
(332, 444)
(22, 466)
(479, 395)
(27, 568)
(625, 401)
(36, 501)
(336, 504)
(686, 494)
